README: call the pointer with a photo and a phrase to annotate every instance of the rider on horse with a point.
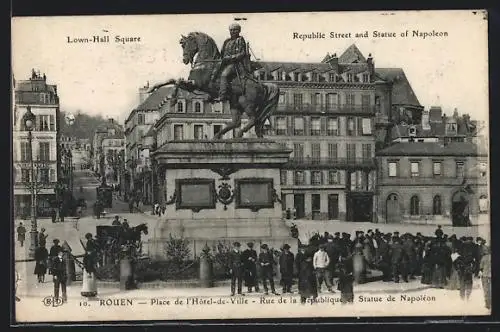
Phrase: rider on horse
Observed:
(235, 61)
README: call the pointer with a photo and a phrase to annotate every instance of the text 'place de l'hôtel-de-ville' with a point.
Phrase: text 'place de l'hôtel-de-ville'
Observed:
(364, 148)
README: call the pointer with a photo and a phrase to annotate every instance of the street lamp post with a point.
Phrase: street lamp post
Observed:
(29, 121)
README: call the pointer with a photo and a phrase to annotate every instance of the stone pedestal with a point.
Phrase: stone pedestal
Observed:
(220, 192)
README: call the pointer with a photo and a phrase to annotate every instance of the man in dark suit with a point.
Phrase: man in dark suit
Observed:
(383, 259)
(397, 260)
(286, 268)
(236, 268)
(249, 258)
(60, 276)
(266, 261)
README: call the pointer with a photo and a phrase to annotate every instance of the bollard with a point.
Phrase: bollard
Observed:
(206, 275)
(125, 273)
(89, 284)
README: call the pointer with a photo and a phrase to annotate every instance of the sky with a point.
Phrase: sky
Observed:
(450, 71)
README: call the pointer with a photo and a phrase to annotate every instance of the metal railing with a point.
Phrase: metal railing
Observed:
(331, 162)
(324, 108)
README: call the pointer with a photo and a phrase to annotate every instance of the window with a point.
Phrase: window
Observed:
(44, 148)
(315, 126)
(25, 151)
(351, 152)
(43, 122)
(451, 128)
(365, 102)
(349, 78)
(299, 177)
(140, 119)
(436, 205)
(281, 125)
(414, 166)
(217, 128)
(279, 75)
(25, 175)
(332, 101)
(316, 202)
(367, 126)
(197, 107)
(198, 131)
(262, 76)
(436, 168)
(180, 107)
(52, 123)
(178, 132)
(367, 151)
(316, 100)
(349, 99)
(44, 175)
(316, 152)
(298, 151)
(282, 99)
(332, 127)
(483, 204)
(333, 177)
(283, 177)
(460, 169)
(366, 78)
(332, 152)
(350, 127)
(393, 169)
(316, 177)
(415, 206)
(298, 126)
(314, 77)
(297, 99)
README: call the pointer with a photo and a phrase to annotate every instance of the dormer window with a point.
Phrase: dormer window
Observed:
(451, 128)
(262, 75)
(314, 77)
(296, 77)
(180, 107)
(197, 107)
(349, 78)
(366, 78)
(331, 77)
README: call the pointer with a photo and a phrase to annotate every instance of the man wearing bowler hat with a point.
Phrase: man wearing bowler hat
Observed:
(236, 268)
(266, 261)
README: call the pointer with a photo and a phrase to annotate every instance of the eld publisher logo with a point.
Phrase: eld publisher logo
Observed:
(50, 301)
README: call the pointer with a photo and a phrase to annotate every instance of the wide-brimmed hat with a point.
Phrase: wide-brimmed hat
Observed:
(236, 244)
(264, 246)
(56, 241)
(286, 246)
(250, 244)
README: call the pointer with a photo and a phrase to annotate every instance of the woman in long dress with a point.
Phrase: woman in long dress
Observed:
(308, 287)
(41, 257)
(426, 265)
(454, 281)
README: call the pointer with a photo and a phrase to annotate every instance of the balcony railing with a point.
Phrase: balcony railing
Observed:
(431, 180)
(323, 108)
(331, 162)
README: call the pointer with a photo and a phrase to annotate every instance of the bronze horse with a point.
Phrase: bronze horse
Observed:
(247, 95)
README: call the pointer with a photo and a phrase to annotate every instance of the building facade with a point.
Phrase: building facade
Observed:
(80, 149)
(42, 100)
(108, 137)
(333, 114)
(434, 173)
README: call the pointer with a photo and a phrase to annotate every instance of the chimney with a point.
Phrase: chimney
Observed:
(333, 61)
(435, 114)
(143, 93)
(110, 120)
(371, 66)
(425, 120)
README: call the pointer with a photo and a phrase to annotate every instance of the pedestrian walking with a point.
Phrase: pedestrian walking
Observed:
(307, 280)
(42, 238)
(266, 262)
(53, 215)
(465, 266)
(59, 276)
(41, 263)
(236, 268)
(485, 274)
(21, 234)
(286, 263)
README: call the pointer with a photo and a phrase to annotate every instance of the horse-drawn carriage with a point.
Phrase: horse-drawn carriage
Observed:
(111, 240)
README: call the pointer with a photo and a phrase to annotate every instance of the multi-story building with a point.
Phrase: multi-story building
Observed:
(434, 173)
(80, 149)
(113, 150)
(331, 113)
(109, 130)
(42, 100)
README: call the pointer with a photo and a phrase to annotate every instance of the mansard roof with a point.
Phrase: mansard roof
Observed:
(421, 149)
(402, 92)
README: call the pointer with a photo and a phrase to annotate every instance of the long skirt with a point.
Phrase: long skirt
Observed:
(40, 268)
(454, 281)
(439, 276)
(426, 274)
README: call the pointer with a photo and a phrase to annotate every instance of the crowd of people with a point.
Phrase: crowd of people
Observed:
(440, 261)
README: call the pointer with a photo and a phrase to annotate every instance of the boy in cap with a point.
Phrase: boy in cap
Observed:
(266, 261)
(236, 268)
(286, 268)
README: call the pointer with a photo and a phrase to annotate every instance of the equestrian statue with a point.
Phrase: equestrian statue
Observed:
(226, 76)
